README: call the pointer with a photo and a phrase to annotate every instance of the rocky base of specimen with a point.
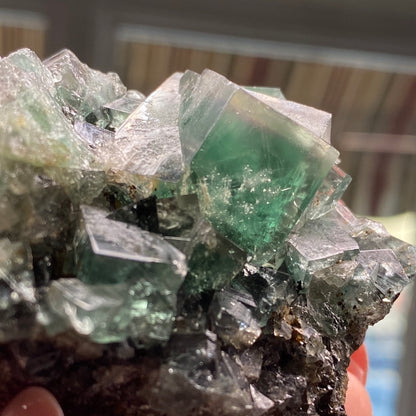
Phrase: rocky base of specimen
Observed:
(180, 254)
(294, 367)
(88, 378)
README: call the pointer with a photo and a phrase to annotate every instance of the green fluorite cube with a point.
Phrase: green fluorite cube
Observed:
(256, 170)
(114, 252)
(141, 265)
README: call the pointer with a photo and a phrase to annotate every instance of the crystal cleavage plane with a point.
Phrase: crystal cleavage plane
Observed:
(181, 254)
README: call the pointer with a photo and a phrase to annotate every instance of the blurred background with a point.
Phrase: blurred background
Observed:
(356, 60)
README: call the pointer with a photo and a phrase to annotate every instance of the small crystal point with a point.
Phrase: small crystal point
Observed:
(233, 321)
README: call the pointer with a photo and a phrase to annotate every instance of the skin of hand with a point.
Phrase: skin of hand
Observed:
(33, 401)
(36, 401)
(357, 401)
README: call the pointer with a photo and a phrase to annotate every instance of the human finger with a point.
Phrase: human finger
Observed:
(359, 364)
(33, 401)
(357, 401)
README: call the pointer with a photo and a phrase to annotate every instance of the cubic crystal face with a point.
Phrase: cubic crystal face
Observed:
(118, 110)
(129, 260)
(256, 170)
(317, 245)
(134, 252)
(80, 89)
(184, 254)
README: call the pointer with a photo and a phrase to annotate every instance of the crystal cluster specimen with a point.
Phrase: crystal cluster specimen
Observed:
(181, 254)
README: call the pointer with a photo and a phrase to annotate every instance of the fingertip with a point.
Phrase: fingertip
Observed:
(359, 364)
(357, 401)
(33, 401)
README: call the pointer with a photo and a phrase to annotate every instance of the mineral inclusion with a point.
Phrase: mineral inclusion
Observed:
(185, 253)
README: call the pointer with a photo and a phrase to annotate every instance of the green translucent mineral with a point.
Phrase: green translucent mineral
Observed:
(32, 119)
(256, 170)
(148, 268)
(105, 314)
(213, 260)
(113, 252)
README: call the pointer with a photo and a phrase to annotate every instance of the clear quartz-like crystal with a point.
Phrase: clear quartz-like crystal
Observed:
(328, 194)
(98, 311)
(317, 245)
(370, 235)
(80, 89)
(270, 91)
(93, 136)
(391, 278)
(233, 321)
(148, 141)
(118, 110)
(17, 291)
(316, 121)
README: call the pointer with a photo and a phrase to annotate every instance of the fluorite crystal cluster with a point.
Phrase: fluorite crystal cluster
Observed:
(180, 254)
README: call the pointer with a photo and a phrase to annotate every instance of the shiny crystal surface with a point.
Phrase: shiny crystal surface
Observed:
(213, 260)
(148, 141)
(232, 319)
(312, 119)
(17, 292)
(270, 91)
(317, 245)
(118, 110)
(252, 194)
(328, 194)
(82, 90)
(184, 254)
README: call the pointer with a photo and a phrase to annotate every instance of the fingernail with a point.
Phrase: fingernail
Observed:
(33, 401)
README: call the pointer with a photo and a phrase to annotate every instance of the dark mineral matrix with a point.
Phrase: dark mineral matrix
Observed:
(181, 254)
